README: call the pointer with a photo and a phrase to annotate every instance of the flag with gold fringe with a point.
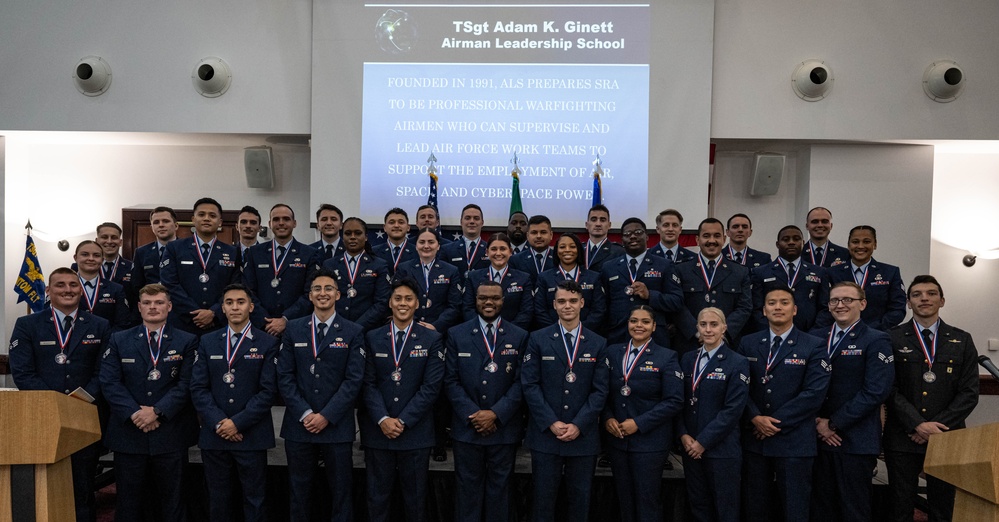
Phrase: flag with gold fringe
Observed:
(30, 284)
(597, 187)
(515, 203)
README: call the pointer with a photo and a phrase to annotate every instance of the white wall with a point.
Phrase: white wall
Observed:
(877, 51)
(152, 48)
(74, 186)
(730, 192)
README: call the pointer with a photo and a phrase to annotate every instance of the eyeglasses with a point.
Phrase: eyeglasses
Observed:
(835, 301)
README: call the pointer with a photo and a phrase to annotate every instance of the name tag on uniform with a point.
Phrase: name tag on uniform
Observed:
(46, 343)
(265, 265)
(752, 359)
(769, 279)
(187, 262)
(128, 360)
(796, 362)
(381, 354)
(464, 354)
(148, 267)
(613, 278)
(547, 357)
(216, 357)
(301, 345)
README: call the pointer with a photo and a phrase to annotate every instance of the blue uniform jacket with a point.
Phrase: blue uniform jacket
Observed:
(713, 419)
(470, 387)
(384, 251)
(411, 400)
(328, 383)
(800, 378)
(682, 254)
(320, 248)
(518, 295)
(731, 291)
(145, 267)
(444, 293)
(884, 289)
(369, 307)
(125, 383)
(179, 272)
(111, 304)
(247, 400)
(456, 253)
(595, 260)
(34, 346)
(751, 258)
(862, 373)
(594, 312)
(551, 398)
(290, 299)
(665, 296)
(656, 397)
(833, 255)
(811, 293)
(526, 262)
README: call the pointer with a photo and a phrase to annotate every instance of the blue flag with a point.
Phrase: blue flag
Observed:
(30, 284)
(597, 196)
(432, 198)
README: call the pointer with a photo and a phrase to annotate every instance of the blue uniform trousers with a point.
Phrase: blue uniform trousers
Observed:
(84, 464)
(482, 476)
(793, 487)
(842, 489)
(638, 478)
(164, 472)
(303, 462)
(903, 479)
(713, 488)
(547, 470)
(227, 471)
(411, 467)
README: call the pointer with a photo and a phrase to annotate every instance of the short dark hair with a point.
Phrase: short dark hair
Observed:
(539, 219)
(424, 207)
(633, 220)
(210, 201)
(569, 286)
(396, 210)
(669, 212)
(818, 208)
(285, 206)
(728, 224)
(359, 220)
(423, 230)
(407, 282)
(322, 272)
(515, 213)
(61, 270)
(923, 279)
(327, 206)
(707, 221)
(644, 308)
(499, 236)
(157, 210)
(858, 228)
(598, 208)
(487, 283)
(239, 287)
(787, 227)
(779, 287)
(247, 209)
(472, 205)
(108, 224)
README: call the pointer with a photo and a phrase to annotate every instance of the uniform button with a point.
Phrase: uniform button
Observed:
(318, 359)
(149, 394)
(768, 406)
(924, 410)
(395, 399)
(67, 376)
(632, 299)
(204, 288)
(483, 382)
(232, 385)
(278, 292)
(398, 384)
(346, 308)
(67, 391)
(317, 375)
(567, 392)
(230, 401)
(566, 407)
(924, 394)
(483, 397)
(769, 390)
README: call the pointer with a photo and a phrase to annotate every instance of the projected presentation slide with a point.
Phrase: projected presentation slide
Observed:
(475, 86)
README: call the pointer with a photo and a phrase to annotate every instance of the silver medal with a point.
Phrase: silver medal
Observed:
(275, 282)
(396, 376)
(570, 377)
(492, 367)
(707, 298)
(351, 292)
(626, 390)
(61, 358)
(628, 290)
(154, 375)
(228, 377)
(429, 303)
(312, 369)
(203, 277)
(693, 401)
(929, 377)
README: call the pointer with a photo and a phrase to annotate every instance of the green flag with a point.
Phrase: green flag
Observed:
(515, 204)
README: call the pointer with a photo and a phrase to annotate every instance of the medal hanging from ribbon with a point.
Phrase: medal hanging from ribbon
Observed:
(62, 338)
(707, 280)
(699, 374)
(594, 250)
(830, 347)
(626, 368)
(771, 361)
(491, 347)
(395, 259)
(570, 357)
(426, 279)
(397, 352)
(566, 276)
(811, 252)
(204, 260)
(474, 255)
(154, 374)
(797, 273)
(91, 299)
(929, 351)
(351, 275)
(230, 352)
(277, 263)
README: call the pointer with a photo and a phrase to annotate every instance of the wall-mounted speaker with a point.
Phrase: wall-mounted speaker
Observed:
(768, 170)
(259, 165)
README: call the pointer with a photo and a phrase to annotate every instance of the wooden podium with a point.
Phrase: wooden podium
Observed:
(39, 430)
(968, 459)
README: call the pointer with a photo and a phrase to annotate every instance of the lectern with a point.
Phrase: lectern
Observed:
(968, 459)
(39, 430)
